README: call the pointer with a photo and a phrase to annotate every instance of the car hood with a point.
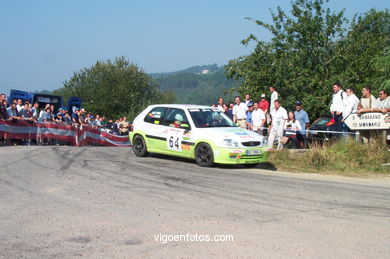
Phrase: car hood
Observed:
(234, 133)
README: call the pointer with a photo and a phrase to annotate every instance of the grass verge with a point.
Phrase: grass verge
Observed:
(344, 157)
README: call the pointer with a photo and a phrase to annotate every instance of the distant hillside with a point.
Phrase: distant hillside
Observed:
(192, 70)
(192, 87)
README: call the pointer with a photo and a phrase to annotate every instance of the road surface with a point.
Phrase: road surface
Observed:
(101, 202)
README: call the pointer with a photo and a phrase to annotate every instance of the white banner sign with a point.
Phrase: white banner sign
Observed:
(368, 121)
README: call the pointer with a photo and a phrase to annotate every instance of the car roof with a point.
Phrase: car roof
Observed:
(181, 106)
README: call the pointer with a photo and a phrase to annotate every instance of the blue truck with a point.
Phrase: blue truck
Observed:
(43, 99)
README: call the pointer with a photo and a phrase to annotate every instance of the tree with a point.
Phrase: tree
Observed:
(114, 89)
(310, 49)
(368, 36)
(382, 65)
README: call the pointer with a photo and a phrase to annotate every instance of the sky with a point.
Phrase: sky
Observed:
(43, 42)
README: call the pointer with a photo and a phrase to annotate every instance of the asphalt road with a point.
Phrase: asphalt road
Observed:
(106, 203)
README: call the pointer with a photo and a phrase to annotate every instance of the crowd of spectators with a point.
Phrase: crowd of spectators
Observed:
(19, 110)
(271, 120)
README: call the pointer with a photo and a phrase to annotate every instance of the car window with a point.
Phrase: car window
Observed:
(321, 121)
(156, 115)
(206, 118)
(176, 118)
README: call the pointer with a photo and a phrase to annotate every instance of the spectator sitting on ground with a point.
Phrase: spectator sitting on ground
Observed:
(291, 127)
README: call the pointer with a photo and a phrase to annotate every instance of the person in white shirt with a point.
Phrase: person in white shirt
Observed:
(291, 128)
(258, 119)
(274, 97)
(220, 104)
(247, 99)
(239, 112)
(279, 117)
(350, 104)
(337, 105)
(383, 102)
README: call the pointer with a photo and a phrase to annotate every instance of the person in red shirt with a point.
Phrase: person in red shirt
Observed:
(264, 104)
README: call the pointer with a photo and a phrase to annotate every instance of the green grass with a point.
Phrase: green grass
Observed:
(345, 157)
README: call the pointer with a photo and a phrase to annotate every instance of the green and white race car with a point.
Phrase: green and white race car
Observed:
(198, 132)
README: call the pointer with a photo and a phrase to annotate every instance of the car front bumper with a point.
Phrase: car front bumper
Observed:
(240, 155)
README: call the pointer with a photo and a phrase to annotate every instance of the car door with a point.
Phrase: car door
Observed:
(175, 127)
(153, 129)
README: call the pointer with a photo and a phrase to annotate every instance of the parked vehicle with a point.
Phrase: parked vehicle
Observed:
(322, 130)
(198, 132)
(44, 99)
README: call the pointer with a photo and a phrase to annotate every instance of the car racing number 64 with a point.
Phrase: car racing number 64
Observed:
(174, 139)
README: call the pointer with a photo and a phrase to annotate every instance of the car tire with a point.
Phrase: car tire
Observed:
(139, 146)
(204, 155)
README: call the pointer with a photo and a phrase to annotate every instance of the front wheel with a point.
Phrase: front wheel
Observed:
(139, 146)
(204, 155)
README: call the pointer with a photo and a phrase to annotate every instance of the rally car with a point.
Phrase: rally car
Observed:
(198, 132)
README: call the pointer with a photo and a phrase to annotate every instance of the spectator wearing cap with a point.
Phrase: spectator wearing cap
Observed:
(304, 122)
(75, 116)
(249, 121)
(264, 104)
(239, 112)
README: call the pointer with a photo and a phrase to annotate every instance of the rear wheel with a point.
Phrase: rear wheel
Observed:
(204, 155)
(139, 146)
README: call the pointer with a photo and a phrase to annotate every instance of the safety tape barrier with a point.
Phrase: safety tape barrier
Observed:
(66, 134)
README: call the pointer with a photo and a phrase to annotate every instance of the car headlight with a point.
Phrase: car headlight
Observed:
(230, 143)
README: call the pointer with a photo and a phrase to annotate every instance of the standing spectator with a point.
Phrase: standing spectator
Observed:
(98, 123)
(291, 128)
(367, 104)
(383, 102)
(45, 115)
(274, 97)
(220, 104)
(3, 108)
(23, 113)
(258, 119)
(247, 99)
(75, 116)
(279, 116)
(301, 116)
(249, 121)
(350, 106)
(124, 127)
(383, 106)
(264, 104)
(239, 112)
(227, 111)
(337, 105)
(19, 105)
(13, 112)
(67, 119)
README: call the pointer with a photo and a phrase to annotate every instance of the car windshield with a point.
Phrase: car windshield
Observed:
(208, 117)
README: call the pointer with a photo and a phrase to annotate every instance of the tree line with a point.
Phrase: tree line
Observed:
(311, 48)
